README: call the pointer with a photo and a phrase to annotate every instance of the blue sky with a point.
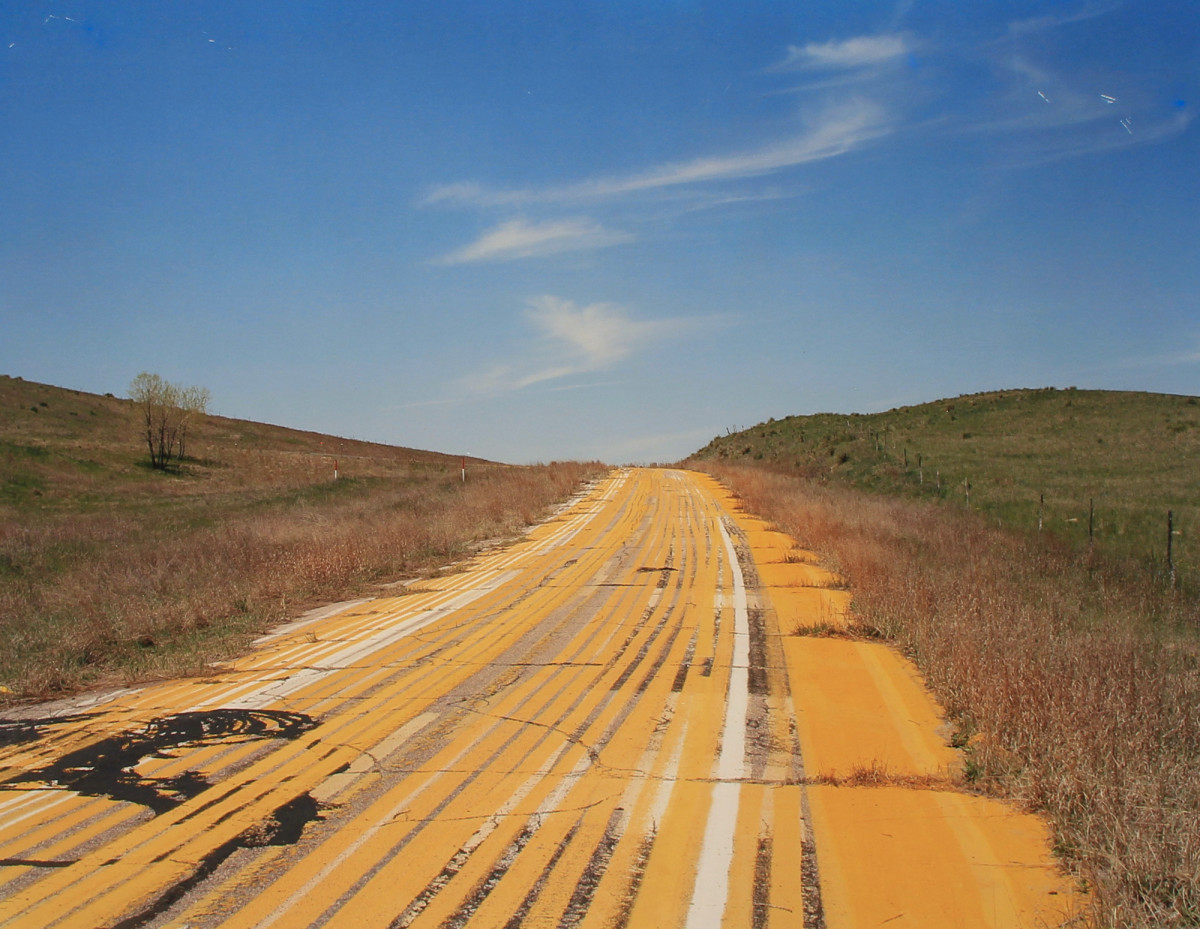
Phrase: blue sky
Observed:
(606, 229)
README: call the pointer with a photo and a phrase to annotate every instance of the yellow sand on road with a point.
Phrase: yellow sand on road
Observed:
(601, 725)
(897, 843)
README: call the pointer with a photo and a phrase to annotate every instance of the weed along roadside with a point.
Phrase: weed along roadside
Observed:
(1071, 687)
(97, 599)
(899, 837)
(113, 572)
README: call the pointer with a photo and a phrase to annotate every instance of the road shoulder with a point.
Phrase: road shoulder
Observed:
(899, 841)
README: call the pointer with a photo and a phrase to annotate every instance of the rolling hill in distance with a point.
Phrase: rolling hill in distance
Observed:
(112, 571)
(1118, 459)
(67, 448)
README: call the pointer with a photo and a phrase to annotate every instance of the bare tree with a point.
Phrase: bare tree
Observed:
(166, 411)
(193, 402)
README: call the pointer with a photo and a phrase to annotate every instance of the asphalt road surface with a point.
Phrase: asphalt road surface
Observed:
(595, 726)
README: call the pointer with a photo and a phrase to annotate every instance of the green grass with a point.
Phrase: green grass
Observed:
(1115, 460)
(112, 571)
(75, 448)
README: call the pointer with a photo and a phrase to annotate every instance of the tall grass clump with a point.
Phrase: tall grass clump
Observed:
(161, 588)
(1073, 681)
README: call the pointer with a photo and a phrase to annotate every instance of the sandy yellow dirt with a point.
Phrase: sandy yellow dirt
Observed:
(899, 842)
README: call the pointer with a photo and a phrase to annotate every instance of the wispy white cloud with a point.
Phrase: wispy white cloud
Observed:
(572, 339)
(1053, 21)
(721, 199)
(846, 54)
(1123, 134)
(589, 338)
(1040, 109)
(458, 192)
(836, 131)
(520, 238)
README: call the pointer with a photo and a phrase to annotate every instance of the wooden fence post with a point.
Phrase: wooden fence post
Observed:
(1170, 546)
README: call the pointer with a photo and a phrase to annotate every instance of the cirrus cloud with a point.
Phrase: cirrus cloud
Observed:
(597, 335)
(573, 339)
(520, 238)
(846, 54)
(833, 132)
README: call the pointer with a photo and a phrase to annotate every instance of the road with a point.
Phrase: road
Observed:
(600, 725)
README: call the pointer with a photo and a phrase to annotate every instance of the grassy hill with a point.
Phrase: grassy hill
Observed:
(111, 570)
(69, 449)
(1070, 674)
(1115, 460)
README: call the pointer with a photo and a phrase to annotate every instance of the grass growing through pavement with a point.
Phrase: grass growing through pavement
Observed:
(1073, 679)
(113, 572)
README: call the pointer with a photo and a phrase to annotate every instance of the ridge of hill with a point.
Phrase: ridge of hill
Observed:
(1089, 464)
(113, 571)
(68, 448)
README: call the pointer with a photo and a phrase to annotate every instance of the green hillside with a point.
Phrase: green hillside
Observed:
(1115, 460)
(67, 449)
(113, 571)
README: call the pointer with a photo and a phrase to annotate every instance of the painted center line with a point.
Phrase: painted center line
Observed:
(711, 891)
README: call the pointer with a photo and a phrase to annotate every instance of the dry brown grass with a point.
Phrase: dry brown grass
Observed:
(111, 571)
(1074, 683)
(123, 593)
(876, 774)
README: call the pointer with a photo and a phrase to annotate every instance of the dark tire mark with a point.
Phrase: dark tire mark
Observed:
(108, 768)
(283, 828)
(810, 888)
(626, 674)
(762, 883)
(20, 731)
(462, 916)
(585, 890)
(757, 682)
(656, 666)
(638, 872)
(518, 918)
